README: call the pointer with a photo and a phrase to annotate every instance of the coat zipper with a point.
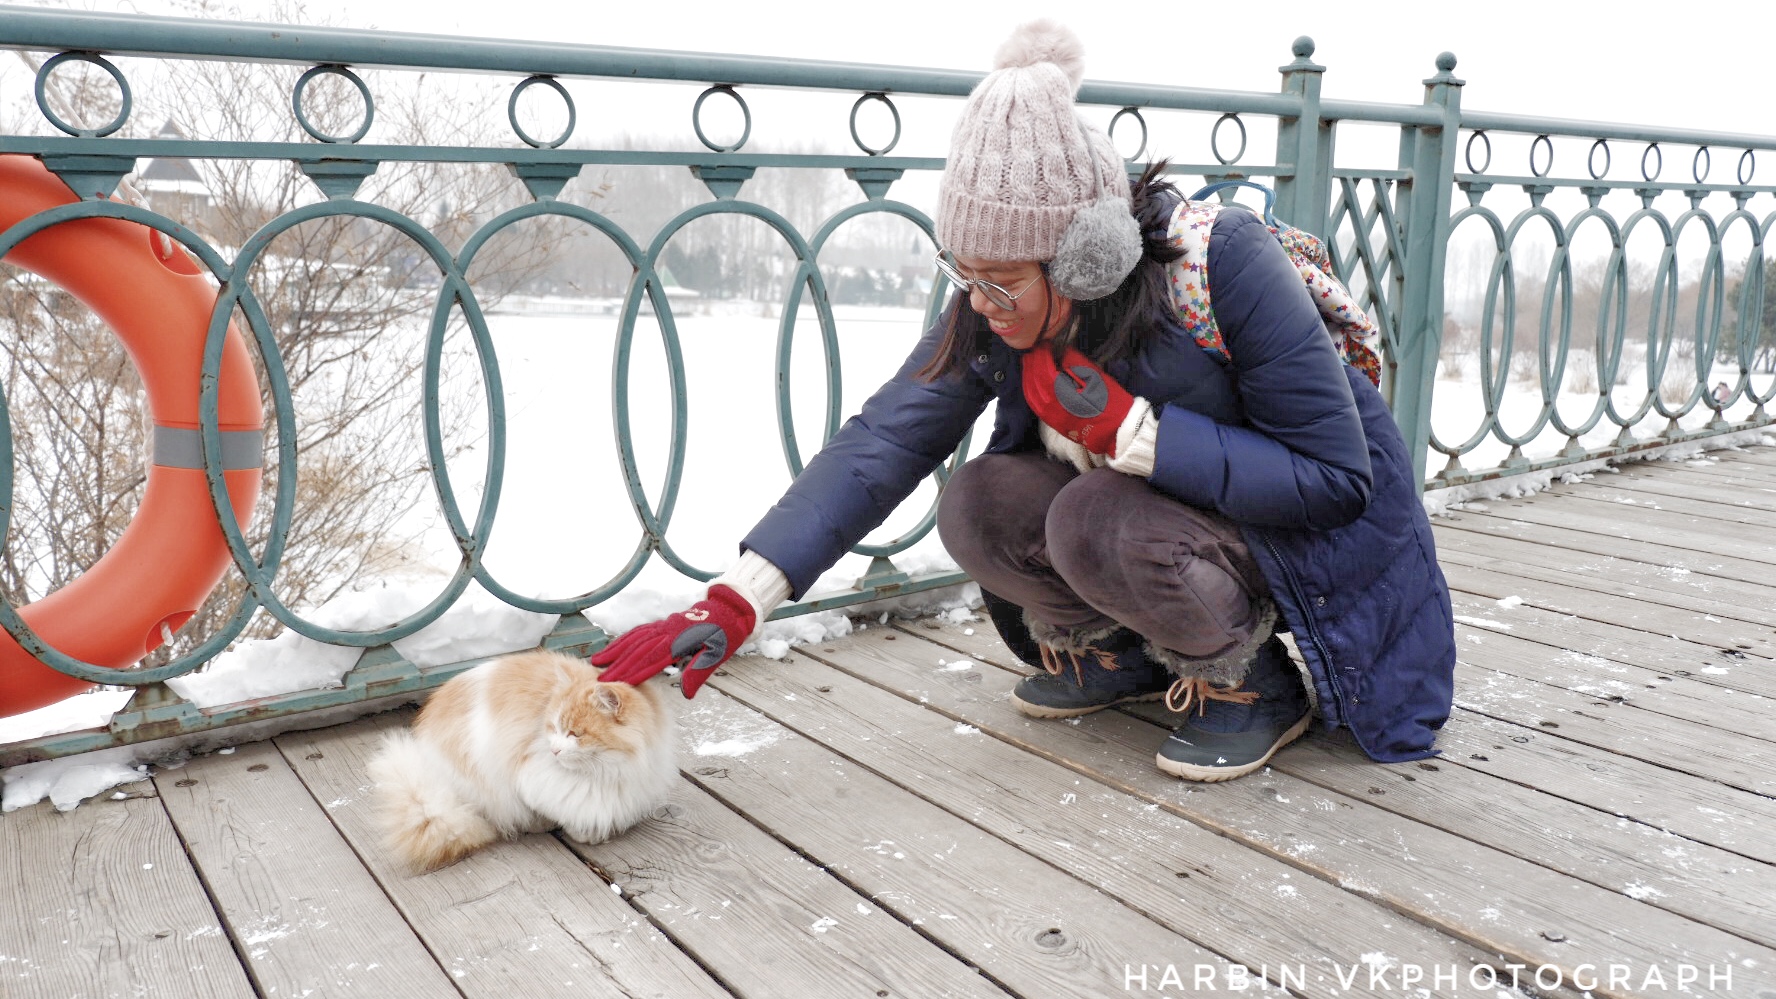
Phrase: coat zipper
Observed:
(1313, 634)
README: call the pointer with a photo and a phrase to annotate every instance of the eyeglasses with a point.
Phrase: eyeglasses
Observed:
(1003, 298)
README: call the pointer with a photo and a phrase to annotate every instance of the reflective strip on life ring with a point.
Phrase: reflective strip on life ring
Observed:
(158, 302)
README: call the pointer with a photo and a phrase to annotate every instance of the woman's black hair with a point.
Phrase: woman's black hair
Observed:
(1106, 329)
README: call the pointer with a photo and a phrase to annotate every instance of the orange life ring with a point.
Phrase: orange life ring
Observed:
(157, 301)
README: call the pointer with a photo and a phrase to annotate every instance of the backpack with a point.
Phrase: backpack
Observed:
(1354, 333)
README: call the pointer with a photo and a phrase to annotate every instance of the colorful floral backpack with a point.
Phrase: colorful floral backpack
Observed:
(1355, 334)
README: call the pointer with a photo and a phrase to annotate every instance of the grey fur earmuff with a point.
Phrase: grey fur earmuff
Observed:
(1100, 248)
(1102, 244)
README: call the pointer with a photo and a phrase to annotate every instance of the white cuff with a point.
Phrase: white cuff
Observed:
(762, 584)
(1137, 440)
(1064, 450)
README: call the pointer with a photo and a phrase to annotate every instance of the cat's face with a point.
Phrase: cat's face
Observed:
(589, 721)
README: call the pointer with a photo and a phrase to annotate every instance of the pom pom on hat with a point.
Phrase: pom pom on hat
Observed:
(1044, 41)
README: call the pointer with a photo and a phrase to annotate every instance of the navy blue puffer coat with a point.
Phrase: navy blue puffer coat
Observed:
(1285, 440)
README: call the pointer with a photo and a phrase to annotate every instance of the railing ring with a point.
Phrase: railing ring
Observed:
(1485, 143)
(1701, 165)
(874, 95)
(512, 110)
(697, 118)
(1139, 120)
(1601, 145)
(1215, 138)
(123, 110)
(1541, 142)
(363, 91)
(1652, 150)
(1747, 166)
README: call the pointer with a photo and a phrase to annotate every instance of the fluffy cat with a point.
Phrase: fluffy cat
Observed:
(525, 743)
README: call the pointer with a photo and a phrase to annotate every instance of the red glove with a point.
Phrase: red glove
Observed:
(699, 640)
(1078, 400)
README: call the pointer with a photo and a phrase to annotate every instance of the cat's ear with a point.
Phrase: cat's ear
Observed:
(610, 702)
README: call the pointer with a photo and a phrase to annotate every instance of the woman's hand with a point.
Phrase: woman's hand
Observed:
(1077, 398)
(698, 639)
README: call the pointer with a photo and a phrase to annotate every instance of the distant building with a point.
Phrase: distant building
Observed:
(174, 187)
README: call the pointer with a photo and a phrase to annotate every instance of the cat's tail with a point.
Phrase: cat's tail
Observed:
(423, 820)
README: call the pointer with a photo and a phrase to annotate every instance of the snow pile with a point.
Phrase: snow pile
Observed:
(82, 711)
(68, 782)
(477, 624)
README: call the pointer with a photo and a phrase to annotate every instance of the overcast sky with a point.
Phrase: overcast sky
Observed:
(1701, 63)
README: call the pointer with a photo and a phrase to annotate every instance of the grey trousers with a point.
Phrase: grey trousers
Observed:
(1084, 553)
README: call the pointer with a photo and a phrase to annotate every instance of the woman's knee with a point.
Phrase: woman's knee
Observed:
(997, 499)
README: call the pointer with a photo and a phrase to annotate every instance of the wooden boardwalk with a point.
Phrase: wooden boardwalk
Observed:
(870, 818)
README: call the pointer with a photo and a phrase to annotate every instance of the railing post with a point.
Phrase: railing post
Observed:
(1427, 153)
(1304, 196)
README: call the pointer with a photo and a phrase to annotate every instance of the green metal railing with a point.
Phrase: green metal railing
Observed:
(1389, 231)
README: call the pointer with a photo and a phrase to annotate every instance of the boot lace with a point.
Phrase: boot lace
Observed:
(1187, 691)
(1054, 663)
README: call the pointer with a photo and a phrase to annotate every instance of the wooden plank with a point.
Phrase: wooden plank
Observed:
(1639, 524)
(1494, 901)
(1640, 615)
(1231, 900)
(1752, 602)
(298, 904)
(521, 918)
(1716, 507)
(766, 921)
(1504, 521)
(1701, 810)
(1606, 683)
(1685, 662)
(1757, 492)
(1700, 882)
(101, 901)
(1030, 928)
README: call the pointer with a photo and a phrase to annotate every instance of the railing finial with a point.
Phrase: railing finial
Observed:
(1303, 50)
(1445, 70)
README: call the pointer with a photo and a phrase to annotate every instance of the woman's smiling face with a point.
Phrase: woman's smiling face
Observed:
(1037, 312)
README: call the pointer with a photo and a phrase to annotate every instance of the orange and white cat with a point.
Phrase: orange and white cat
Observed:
(526, 743)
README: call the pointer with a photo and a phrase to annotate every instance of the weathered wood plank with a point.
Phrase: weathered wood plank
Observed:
(1654, 550)
(1692, 879)
(1607, 683)
(1754, 491)
(297, 903)
(522, 918)
(1685, 662)
(1702, 810)
(1232, 900)
(102, 902)
(1629, 612)
(1640, 524)
(751, 909)
(1497, 902)
(1027, 926)
(1751, 602)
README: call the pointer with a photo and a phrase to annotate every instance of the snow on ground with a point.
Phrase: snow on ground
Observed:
(566, 525)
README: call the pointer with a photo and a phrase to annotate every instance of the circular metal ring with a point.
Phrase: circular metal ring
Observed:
(123, 111)
(1747, 166)
(697, 118)
(1139, 120)
(512, 111)
(1215, 138)
(1541, 142)
(1652, 150)
(874, 95)
(1601, 145)
(332, 69)
(1701, 164)
(1486, 144)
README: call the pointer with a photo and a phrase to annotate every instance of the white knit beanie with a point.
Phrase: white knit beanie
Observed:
(1020, 166)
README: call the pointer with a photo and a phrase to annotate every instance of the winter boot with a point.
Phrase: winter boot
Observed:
(1231, 731)
(1088, 673)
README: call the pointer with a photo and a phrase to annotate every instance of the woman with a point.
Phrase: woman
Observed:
(1174, 475)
